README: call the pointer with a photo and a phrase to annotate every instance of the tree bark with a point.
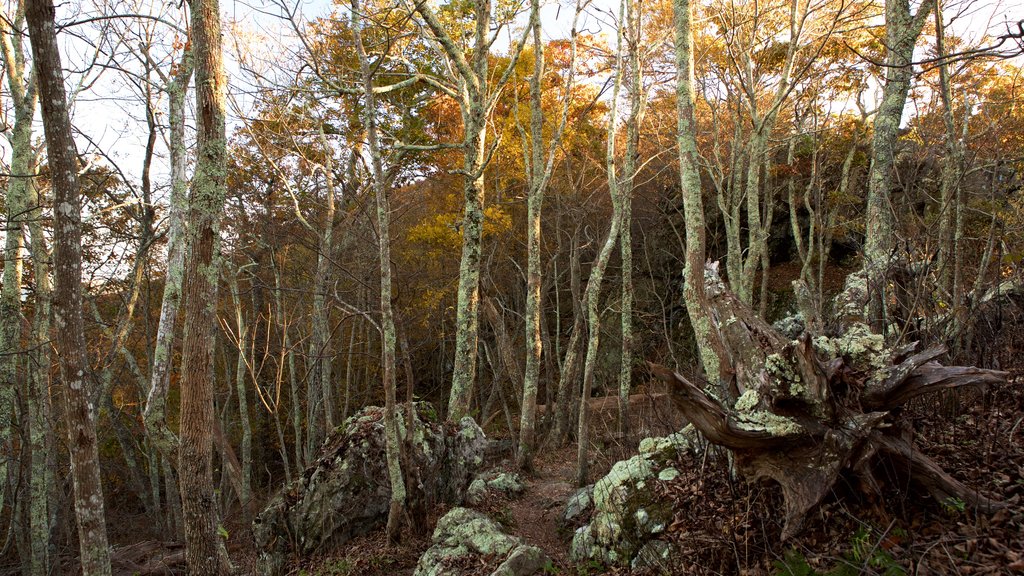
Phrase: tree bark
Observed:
(388, 363)
(69, 341)
(694, 295)
(202, 264)
(592, 294)
(901, 32)
(802, 412)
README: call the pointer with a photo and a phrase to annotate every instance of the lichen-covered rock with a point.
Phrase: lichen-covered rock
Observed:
(507, 483)
(627, 512)
(654, 555)
(346, 491)
(578, 505)
(463, 533)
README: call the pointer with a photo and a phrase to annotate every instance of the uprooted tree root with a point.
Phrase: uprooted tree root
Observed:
(805, 412)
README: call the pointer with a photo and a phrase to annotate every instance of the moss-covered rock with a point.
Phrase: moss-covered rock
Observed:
(346, 491)
(627, 512)
(463, 533)
(508, 483)
(578, 506)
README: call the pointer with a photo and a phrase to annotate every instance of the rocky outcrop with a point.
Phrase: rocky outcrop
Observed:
(466, 539)
(345, 492)
(627, 512)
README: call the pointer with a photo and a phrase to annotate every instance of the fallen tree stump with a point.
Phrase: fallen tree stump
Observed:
(804, 412)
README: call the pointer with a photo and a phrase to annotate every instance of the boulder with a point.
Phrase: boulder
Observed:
(578, 506)
(464, 537)
(346, 492)
(627, 510)
(507, 483)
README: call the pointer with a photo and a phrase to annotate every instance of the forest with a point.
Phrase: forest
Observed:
(512, 287)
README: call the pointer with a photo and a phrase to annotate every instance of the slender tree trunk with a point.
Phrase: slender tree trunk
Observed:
(19, 184)
(901, 32)
(638, 103)
(69, 339)
(592, 296)
(321, 424)
(202, 264)
(950, 201)
(155, 413)
(534, 205)
(245, 496)
(293, 383)
(539, 170)
(694, 293)
(388, 364)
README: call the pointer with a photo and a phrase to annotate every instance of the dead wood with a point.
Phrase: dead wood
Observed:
(807, 411)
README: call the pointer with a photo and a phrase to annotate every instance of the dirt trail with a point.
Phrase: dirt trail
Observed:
(537, 512)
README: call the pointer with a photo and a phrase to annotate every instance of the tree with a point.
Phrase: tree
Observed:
(694, 295)
(476, 94)
(539, 166)
(902, 28)
(67, 294)
(387, 317)
(204, 552)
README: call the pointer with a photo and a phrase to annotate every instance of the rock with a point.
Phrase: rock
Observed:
(345, 492)
(627, 513)
(578, 506)
(507, 483)
(463, 533)
(653, 555)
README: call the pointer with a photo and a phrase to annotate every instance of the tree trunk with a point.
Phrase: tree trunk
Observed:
(708, 346)
(592, 295)
(637, 105)
(802, 412)
(155, 414)
(241, 367)
(69, 341)
(202, 264)
(19, 184)
(396, 507)
(901, 32)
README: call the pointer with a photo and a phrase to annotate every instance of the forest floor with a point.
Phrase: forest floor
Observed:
(727, 526)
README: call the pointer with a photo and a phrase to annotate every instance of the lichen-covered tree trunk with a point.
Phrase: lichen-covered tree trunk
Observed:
(693, 198)
(69, 340)
(902, 29)
(468, 306)
(203, 552)
(241, 372)
(534, 206)
(592, 295)
(22, 166)
(637, 106)
(477, 94)
(38, 401)
(155, 413)
(388, 340)
(803, 412)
